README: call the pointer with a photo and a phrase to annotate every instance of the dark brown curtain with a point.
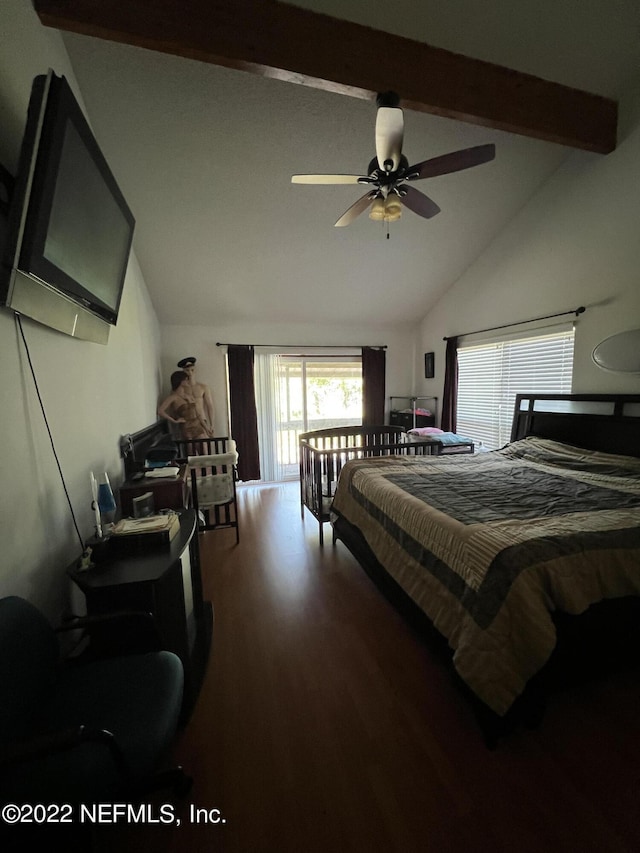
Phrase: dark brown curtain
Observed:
(450, 395)
(373, 378)
(244, 419)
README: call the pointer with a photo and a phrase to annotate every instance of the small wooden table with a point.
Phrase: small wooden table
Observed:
(165, 582)
(168, 492)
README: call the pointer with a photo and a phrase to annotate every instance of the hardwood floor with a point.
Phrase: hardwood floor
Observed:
(326, 724)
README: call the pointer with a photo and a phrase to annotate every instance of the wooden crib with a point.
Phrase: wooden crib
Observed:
(323, 452)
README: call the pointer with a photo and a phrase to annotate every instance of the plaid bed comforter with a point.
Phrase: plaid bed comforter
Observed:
(490, 545)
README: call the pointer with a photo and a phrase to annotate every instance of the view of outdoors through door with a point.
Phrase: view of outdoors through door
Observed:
(315, 393)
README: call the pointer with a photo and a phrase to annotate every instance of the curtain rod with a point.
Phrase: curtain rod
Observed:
(308, 346)
(575, 311)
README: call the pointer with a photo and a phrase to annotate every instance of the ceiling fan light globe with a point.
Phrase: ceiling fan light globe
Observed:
(392, 208)
(377, 212)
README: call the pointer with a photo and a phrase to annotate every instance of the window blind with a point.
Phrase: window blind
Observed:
(490, 374)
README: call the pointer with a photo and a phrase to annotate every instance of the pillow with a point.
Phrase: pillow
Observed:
(425, 431)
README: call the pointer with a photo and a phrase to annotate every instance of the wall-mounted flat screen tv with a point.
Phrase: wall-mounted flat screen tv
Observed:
(70, 228)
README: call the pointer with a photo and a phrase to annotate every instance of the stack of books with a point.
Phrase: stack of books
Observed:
(166, 471)
(151, 531)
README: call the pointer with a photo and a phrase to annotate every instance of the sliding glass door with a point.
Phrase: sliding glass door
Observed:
(300, 393)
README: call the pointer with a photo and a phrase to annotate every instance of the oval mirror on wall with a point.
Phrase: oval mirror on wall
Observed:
(620, 353)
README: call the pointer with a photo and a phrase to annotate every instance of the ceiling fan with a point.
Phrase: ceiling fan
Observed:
(389, 174)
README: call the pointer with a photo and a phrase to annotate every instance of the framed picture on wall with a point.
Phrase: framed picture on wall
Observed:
(429, 365)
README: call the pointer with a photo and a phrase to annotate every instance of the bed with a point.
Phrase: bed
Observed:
(502, 552)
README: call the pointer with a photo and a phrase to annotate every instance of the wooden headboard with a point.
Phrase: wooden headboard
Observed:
(608, 422)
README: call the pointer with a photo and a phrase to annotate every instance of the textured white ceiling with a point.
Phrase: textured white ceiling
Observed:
(204, 156)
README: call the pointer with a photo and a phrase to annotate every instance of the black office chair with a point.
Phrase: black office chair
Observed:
(93, 731)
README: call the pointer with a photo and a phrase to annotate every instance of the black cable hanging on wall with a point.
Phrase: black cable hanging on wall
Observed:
(46, 423)
(576, 312)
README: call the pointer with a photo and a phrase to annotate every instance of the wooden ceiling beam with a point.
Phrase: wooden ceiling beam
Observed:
(288, 43)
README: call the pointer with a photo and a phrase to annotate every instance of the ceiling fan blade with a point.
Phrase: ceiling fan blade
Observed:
(389, 136)
(328, 179)
(453, 162)
(356, 209)
(419, 203)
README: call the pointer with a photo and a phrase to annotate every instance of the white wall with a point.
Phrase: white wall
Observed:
(92, 394)
(200, 341)
(575, 243)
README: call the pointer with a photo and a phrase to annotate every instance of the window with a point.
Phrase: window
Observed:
(490, 374)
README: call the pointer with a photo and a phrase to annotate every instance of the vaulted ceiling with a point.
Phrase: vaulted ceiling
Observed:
(204, 151)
